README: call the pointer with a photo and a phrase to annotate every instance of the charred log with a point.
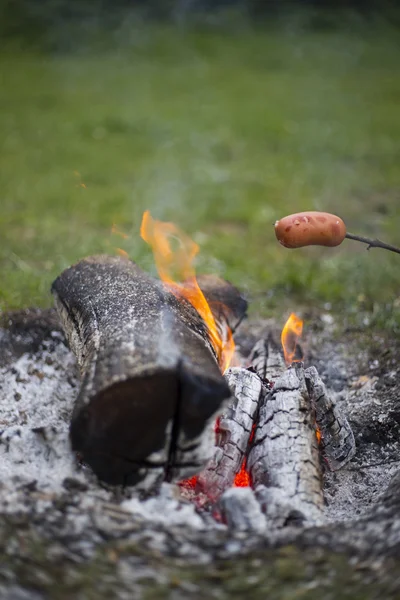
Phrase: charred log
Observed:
(337, 440)
(234, 431)
(284, 461)
(150, 379)
(236, 424)
(266, 360)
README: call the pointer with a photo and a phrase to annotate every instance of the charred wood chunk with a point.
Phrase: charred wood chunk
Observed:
(151, 384)
(234, 431)
(284, 461)
(266, 360)
(337, 440)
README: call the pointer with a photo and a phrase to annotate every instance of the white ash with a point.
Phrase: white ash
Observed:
(39, 389)
(154, 509)
(352, 491)
(37, 392)
(360, 484)
(241, 510)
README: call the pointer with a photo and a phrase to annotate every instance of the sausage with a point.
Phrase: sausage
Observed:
(310, 228)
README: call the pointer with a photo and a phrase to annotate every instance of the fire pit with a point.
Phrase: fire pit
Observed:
(149, 356)
(122, 420)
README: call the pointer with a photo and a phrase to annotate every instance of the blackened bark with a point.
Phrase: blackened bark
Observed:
(267, 360)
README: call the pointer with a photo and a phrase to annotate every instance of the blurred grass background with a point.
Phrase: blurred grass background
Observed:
(221, 129)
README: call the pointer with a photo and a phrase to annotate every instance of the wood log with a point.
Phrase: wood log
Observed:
(284, 461)
(234, 430)
(266, 360)
(337, 440)
(151, 385)
(235, 426)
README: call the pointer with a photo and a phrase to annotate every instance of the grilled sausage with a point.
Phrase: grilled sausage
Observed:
(310, 228)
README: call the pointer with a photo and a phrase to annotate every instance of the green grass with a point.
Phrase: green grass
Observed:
(222, 133)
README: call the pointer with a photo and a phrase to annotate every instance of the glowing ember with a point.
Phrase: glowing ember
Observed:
(318, 434)
(189, 484)
(174, 253)
(242, 479)
(290, 335)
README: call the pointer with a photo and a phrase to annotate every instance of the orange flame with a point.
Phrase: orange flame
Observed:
(174, 253)
(290, 335)
(116, 231)
(122, 252)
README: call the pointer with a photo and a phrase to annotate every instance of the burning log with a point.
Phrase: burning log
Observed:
(236, 424)
(233, 433)
(150, 377)
(337, 440)
(227, 305)
(226, 302)
(271, 426)
(284, 461)
(266, 360)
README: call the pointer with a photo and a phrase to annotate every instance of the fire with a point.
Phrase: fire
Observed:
(318, 434)
(242, 479)
(116, 231)
(124, 236)
(122, 252)
(174, 253)
(290, 335)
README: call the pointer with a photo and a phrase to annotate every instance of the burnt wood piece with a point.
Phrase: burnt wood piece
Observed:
(284, 461)
(266, 360)
(338, 445)
(233, 435)
(236, 424)
(151, 385)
